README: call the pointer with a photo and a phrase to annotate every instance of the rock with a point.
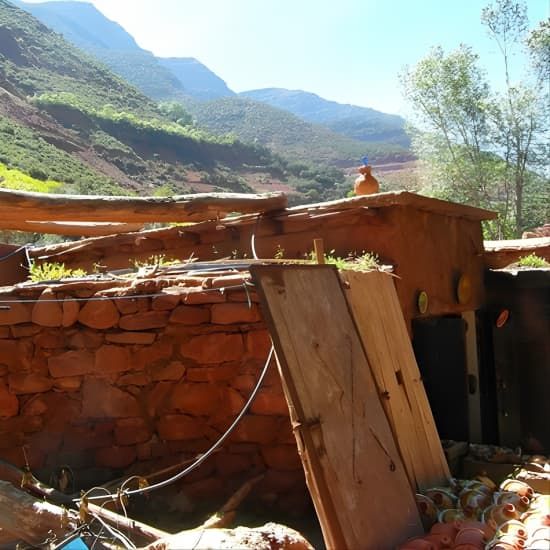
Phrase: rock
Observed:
(156, 353)
(129, 431)
(24, 330)
(168, 299)
(179, 427)
(270, 401)
(281, 457)
(5, 332)
(144, 320)
(256, 429)
(196, 296)
(134, 379)
(157, 398)
(71, 363)
(258, 344)
(102, 400)
(142, 338)
(68, 383)
(115, 457)
(47, 312)
(50, 339)
(218, 373)
(112, 359)
(190, 315)
(22, 383)
(71, 309)
(173, 371)
(196, 399)
(99, 314)
(235, 312)
(9, 404)
(228, 465)
(213, 348)
(89, 339)
(232, 401)
(16, 314)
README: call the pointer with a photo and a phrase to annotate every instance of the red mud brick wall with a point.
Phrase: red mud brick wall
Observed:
(136, 385)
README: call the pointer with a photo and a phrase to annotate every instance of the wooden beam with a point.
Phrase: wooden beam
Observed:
(70, 229)
(400, 198)
(353, 469)
(17, 205)
(31, 520)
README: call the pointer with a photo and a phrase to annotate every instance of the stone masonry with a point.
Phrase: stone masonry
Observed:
(106, 379)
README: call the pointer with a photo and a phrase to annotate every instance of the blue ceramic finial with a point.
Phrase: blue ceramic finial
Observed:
(365, 160)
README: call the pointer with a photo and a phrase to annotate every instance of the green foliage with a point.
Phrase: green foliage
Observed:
(11, 178)
(366, 261)
(174, 111)
(37, 60)
(476, 146)
(52, 272)
(533, 261)
(24, 150)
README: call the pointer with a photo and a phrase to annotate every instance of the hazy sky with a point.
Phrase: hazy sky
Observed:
(350, 51)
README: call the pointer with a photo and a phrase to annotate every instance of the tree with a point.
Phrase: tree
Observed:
(175, 112)
(480, 147)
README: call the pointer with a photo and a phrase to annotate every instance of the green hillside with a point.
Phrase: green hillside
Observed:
(288, 135)
(65, 118)
(360, 123)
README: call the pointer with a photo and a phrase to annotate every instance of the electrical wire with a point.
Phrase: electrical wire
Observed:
(202, 458)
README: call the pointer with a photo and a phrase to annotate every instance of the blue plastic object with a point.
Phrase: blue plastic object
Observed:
(365, 161)
(75, 544)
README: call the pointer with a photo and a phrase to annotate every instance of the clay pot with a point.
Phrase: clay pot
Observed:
(366, 183)
(443, 498)
(450, 515)
(440, 541)
(417, 544)
(497, 514)
(488, 532)
(512, 527)
(445, 530)
(521, 503)
(498, 545)
(517, 542)
(488, 482)
(516, 486)
(471, 535)
(473, 502)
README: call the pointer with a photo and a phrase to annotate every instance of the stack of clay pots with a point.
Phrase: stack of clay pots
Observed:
(476, 514)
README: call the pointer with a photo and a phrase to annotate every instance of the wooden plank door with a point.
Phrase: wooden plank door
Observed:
(354, 472)
(381, 325)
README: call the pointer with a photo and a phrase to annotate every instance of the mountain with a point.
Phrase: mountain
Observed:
(197, 79)
(160, 79)
(285, 133)
(359, 123)
(67, 124)
(188, 81)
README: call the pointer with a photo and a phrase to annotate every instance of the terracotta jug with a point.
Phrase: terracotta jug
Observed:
(366, 183)
(516, 486)
(497, 514)
(521, 503)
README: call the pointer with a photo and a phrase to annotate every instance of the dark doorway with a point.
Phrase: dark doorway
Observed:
(439, 346)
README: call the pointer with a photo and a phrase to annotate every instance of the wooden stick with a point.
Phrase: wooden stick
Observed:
(70, 229)
(226, 514)
(17, 205)
(319, 248)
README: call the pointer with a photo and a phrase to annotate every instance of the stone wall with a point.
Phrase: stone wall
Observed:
(110, 377)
